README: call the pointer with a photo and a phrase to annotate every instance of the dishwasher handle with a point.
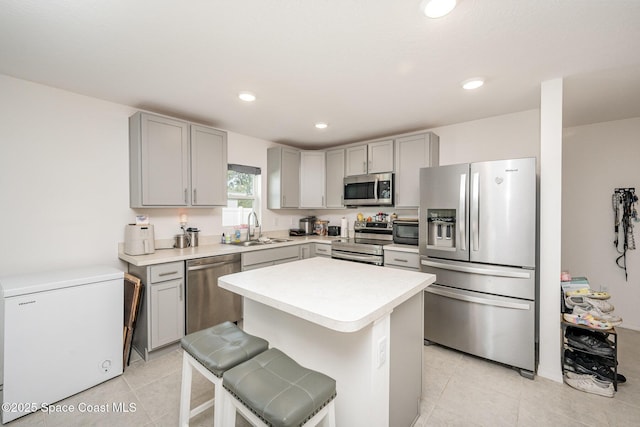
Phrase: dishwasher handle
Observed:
(205, 266)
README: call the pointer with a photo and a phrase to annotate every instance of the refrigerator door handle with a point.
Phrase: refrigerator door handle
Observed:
(463, 214)
(475, 212)
(475, 270)
(477, 300)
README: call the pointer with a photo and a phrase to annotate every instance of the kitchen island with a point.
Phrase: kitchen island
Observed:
(358, 323)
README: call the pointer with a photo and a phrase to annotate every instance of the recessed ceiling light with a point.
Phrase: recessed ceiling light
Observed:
(473, 83)
(247, 96)
(437, 8)
(321, 125)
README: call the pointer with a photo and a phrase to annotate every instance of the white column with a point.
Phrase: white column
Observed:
(550, 228)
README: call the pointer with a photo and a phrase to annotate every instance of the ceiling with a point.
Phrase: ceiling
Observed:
(369, 68)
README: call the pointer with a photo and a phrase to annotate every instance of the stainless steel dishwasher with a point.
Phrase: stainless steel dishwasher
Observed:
(207, 303)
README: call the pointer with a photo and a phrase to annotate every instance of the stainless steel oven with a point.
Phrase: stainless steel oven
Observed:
(367, 245)
(368, 190)
(406, 231)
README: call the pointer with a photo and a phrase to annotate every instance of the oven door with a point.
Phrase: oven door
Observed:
(368, 190)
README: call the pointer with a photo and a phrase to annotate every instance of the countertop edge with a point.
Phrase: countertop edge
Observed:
(346, 326)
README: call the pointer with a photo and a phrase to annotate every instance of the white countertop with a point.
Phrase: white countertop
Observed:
(170, 255)
(341, 295)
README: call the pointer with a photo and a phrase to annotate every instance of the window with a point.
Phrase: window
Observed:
(243, 194)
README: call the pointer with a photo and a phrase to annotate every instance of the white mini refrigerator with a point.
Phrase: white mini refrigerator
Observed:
(62, 333)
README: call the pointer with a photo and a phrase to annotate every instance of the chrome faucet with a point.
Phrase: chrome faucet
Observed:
(257, 224)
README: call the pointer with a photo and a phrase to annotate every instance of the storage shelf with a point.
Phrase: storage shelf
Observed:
(564, 324)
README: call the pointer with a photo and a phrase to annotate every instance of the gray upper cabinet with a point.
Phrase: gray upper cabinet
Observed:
(208, 166)
(356, 160)
(283, 178)
(334, 178)
(412, 153)
(312, 179)
(175, 163)
(374, 157)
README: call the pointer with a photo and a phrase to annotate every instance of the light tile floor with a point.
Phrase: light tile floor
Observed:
(458, 390)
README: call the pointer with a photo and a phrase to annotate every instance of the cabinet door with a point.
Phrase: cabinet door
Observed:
(290, 179)
(164, 161)
(167, 313)
(380, 156)
(412, 153)
(356, 160)
(334, 178)
(312, 181)
(208, 166)
(305, 251)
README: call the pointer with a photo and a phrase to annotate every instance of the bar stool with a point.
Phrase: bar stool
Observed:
(273, 390)
(211, 352)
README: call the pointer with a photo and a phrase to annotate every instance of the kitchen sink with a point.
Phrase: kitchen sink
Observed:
(260, 242)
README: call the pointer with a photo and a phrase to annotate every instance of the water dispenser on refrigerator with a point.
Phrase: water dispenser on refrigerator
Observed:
(441, 225)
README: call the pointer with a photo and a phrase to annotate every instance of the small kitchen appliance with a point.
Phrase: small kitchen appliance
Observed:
(307, 224)
(405, 231)
(139, 239)
(334, 230)
(369, 190)
(193, 236)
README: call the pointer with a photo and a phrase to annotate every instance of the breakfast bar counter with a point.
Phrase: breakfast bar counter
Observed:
(358, 323)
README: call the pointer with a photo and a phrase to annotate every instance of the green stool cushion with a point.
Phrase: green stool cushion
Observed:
(222, 347)
(278, 390)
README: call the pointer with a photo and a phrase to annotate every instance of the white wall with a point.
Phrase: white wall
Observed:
(503, 137)
(597, 159)
(64, 180)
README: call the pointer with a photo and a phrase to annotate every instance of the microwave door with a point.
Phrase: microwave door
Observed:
(503, 212)
(444, 212)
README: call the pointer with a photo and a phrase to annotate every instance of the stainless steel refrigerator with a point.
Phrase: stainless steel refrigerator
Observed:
(478, 236)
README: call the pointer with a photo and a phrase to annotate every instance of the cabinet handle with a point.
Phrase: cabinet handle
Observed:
(185, 196)
(322, 201)
(168, 273)
(364, 166)
(284, 201)
(195, 196)
(401, 260)
(180, 291)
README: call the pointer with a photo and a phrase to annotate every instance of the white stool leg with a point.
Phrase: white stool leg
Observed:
(185, 392)
(330, 420)
(219, 404)
(229, 408)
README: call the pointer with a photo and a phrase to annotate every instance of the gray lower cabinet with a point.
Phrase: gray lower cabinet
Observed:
(267, 257)
(322, 249)
(161, 317)
(306, 250)
(401, 259)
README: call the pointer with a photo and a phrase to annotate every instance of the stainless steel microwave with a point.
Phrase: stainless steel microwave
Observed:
(368, 190)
